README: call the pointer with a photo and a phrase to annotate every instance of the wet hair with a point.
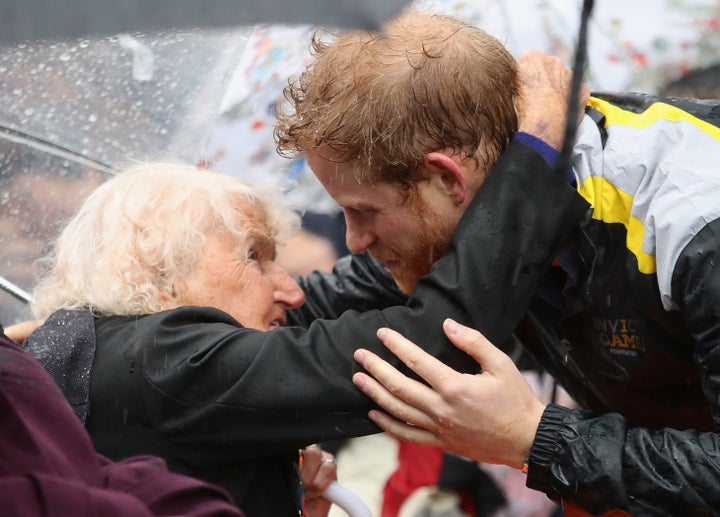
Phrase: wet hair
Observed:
(426, 83)
(141, 232)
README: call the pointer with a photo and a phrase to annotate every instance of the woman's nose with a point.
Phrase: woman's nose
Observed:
(287, 290)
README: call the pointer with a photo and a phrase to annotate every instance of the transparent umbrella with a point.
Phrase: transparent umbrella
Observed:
(71, 112)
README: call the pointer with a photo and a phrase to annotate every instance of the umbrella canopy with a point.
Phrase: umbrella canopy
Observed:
(120, 97)
(22, 20)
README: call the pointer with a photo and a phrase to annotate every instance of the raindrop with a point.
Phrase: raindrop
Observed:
(17, 91)
(84, 43)
(64, 57)
(29, 111)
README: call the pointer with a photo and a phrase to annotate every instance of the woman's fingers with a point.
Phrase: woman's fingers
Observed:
(318, 471)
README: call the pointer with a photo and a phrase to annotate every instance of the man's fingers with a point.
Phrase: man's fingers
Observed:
(403, 403)
(402, 430)
(471, 341)
(414, 357)
(434, 372)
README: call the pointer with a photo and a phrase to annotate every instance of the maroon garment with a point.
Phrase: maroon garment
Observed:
(48, 466)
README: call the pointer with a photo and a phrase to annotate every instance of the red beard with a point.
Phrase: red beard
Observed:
(433, 234)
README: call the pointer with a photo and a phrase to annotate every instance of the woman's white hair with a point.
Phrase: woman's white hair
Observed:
(141, 232)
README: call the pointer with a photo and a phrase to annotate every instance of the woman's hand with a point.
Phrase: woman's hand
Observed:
(318, 471)
(20, 331)
(542, 105)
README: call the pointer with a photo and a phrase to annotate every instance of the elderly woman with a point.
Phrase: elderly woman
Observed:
(174, 333)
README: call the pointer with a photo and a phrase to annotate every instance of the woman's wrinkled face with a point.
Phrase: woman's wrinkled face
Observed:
(242, 279)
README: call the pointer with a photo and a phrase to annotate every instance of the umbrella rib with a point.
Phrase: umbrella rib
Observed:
(21, 137)
(16, 291)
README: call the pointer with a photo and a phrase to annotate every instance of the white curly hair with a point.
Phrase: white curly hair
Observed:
(141, 232)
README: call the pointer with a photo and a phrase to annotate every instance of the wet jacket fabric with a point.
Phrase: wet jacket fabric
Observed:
(629, 317)
(232, 405)
(48, 466)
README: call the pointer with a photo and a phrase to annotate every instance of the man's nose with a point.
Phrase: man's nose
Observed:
(287, 290)
(357, 235)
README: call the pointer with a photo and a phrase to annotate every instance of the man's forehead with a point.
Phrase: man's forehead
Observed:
(366, 195)
(330, 170)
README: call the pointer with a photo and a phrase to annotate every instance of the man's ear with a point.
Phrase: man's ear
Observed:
(451, 175)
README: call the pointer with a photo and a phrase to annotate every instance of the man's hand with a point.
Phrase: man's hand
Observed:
(318, 471)
(542, 103)
(490, 417)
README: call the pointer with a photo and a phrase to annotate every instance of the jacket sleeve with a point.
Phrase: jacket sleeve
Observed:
(357, 282)
(643, 471)
(601, 463)
(45, 495)
(148, 479)
(300, 378)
